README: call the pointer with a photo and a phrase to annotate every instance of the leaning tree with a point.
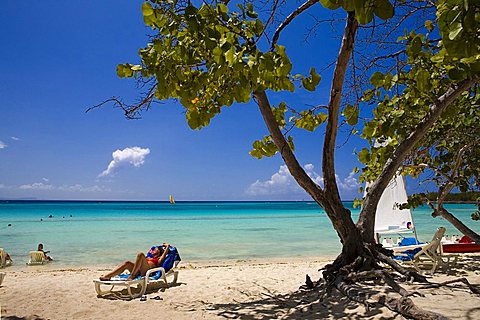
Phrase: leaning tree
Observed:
(450, 158)
(213, 54)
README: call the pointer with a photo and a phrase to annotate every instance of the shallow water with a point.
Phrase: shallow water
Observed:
(100, 233)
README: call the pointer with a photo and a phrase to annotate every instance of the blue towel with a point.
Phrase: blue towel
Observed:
(408, 242)
(124, 276)
(408, 254)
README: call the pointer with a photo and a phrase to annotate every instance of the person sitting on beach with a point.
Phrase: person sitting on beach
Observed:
(40, 248)
(154, 258)
(8, 259)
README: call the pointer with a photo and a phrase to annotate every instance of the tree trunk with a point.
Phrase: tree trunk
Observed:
(329, 198)
(338, 214)
(457, 224)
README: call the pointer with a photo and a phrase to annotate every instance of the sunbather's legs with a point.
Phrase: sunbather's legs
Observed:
(127, 265)
(141, 266)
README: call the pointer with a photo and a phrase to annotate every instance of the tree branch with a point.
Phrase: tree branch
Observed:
(289, 19)
(366, 220)
(295, 168)
(328, 162)
(451, 184)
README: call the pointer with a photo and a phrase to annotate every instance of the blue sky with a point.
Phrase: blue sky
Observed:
(59, 58)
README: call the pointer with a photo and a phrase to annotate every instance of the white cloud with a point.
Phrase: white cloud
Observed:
(15, 138)
(2, 145)
(282, 183)
(2, 186)
(36, 186)
(349, 183)
(45, 179)
(129, 156)
(74, 188)
(80, 188)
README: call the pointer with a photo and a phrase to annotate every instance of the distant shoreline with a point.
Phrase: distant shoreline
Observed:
(5, 201)
(459, 202)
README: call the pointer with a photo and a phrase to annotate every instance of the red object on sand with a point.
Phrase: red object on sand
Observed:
(464, 245)
(465, 239)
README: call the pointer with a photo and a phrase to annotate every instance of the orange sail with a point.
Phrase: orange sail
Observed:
(171, 199)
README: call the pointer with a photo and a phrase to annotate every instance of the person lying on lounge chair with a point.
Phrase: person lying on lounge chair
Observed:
(155, 257)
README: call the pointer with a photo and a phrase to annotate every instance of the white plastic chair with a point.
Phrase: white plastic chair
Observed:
(3, 259)
(431, 256)
(36, 258)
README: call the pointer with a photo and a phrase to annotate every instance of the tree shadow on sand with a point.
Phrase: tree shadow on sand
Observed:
(23, 318)
(152, 288)
(302, 304)
(315, 304)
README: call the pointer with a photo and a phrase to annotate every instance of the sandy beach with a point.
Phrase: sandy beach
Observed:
(241, 289)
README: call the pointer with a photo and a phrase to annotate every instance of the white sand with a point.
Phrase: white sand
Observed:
(249, 290)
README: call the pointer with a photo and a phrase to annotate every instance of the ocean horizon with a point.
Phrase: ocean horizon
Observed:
(99, 232)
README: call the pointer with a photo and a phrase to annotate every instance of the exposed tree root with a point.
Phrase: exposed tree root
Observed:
(403, 305)
(410, 275)
(385, 276)
(474, 289)
(354, 279)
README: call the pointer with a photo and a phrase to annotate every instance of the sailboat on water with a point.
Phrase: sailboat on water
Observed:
(172, 201)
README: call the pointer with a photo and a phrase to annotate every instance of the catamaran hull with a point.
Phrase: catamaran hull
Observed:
(461, 247)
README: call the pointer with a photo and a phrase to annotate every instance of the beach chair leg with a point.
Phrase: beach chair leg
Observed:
(434, 267)
(101, 292)
(164, 277)
(143, 289)
(175, 276)
(129, 289)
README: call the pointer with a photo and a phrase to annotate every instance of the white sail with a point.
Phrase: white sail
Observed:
(389, 217)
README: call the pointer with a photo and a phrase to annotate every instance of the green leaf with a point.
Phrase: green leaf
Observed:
(429, 25)
(222, 8)
(310, 83)
(330, 4)
(351, 114)
(422, 79)
(457, 74)
(315, 77)
(455, 31)
(377, 79)
(124, 70)
(364, 156)
(321, 117)
(415, 46)
(349, 5)
(265, 147)
(368, 95)
(384, 9)
(252, 14)
(147, 9)
(193, 119)
(388, 82)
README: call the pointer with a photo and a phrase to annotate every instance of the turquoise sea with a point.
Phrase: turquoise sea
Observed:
(105, 233)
